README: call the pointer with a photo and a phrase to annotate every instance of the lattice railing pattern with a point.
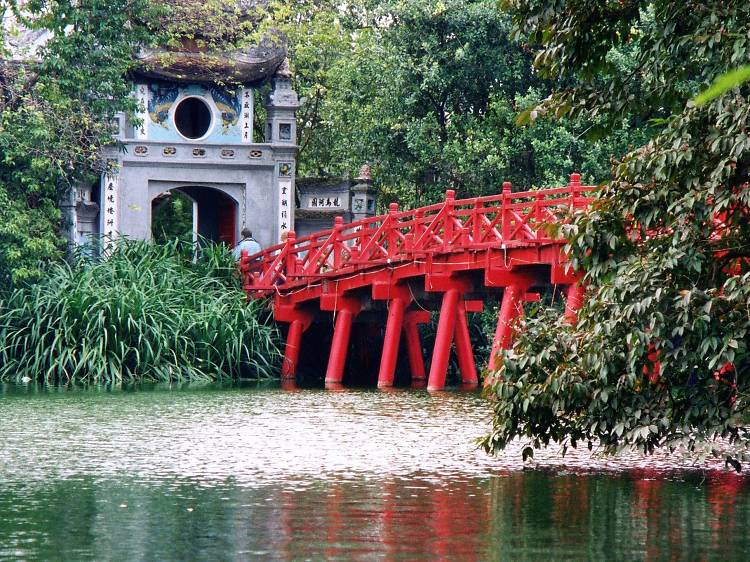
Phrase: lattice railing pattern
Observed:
(497, 221)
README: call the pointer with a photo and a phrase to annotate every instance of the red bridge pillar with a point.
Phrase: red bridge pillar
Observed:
(452, 289)
(345, 308)
(573, 301)
(393, 327)
(293, 346)
(398, 297)
(443, 339)
(299, 321)
(464, 352)
(562, 274)
(414, 343)
(510, 309)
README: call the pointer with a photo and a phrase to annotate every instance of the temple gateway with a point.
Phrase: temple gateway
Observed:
(194, 136)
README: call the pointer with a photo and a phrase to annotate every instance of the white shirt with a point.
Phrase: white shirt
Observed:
(249, 245)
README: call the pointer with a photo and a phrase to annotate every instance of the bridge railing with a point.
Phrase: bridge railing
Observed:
(504, 220)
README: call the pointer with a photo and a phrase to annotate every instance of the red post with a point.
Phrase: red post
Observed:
(338, 226)
(244, 267)
(464, 351)
(538, 214)
(414, 348)
(510, 309)
(392, 227)
(573, 301)
(476, 233)
(418, 224)
(393, 327)
(364, 238)
(339, 346)
(574, 185)
(291, 257)
(443, 339)
(505, 226)
(448, 227)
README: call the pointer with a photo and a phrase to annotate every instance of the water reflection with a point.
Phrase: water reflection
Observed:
(517, 516)
(241, 474)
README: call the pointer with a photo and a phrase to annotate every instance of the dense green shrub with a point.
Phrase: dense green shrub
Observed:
(146, 312)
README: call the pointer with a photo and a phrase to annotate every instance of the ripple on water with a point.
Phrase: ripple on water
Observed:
(270, 474)
(255, 436)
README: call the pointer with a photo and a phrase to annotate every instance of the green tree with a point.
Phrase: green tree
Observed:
(659, 354)
(56, 109)
(428, 92)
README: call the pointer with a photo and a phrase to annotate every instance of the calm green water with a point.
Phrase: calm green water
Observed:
(271, 474)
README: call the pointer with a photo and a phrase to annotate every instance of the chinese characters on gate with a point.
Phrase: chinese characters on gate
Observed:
(284, 216)
(111, 194)
(285, 197)
(247, 115)
(325, 202)
(142, 97)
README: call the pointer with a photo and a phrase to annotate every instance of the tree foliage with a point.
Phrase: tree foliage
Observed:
(427, 93)
(56, 107)
(659, 355)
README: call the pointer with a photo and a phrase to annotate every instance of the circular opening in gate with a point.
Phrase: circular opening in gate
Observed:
(192, 117)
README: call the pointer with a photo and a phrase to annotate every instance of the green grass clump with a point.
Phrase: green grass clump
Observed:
(146, 312)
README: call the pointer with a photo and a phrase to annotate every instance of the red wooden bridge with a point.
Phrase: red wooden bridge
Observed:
(400, 266)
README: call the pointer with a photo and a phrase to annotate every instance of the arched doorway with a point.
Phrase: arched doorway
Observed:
(174, 215)
(193, 212)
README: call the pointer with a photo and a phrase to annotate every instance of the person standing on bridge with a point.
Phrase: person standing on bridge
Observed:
(247, 244)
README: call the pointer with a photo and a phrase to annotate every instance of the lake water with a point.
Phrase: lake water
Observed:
(260, 472)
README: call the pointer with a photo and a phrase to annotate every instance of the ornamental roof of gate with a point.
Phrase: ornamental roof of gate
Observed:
(211, 46)
(200, 28)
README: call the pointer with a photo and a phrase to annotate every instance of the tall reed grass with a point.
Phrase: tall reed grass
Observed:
(147, 311)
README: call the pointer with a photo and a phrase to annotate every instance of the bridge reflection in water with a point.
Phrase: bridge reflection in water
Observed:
(513, 516)
(262, 473)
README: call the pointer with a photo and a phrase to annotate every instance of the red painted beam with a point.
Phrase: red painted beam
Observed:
(473, 306)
